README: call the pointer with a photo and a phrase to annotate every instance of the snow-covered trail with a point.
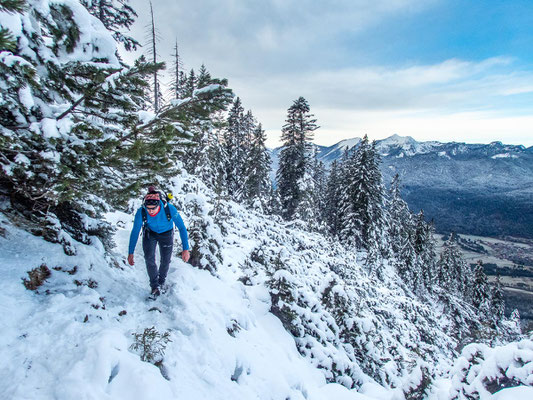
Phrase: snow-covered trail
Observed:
(69, 341)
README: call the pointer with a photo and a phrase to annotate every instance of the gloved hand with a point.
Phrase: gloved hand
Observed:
(130, 259)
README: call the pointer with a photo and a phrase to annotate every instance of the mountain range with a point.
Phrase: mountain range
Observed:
(481, 189)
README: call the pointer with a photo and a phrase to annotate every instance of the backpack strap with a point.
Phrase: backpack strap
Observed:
(145, 217)
(167, 210)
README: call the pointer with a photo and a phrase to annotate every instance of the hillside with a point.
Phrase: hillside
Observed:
(230, 336)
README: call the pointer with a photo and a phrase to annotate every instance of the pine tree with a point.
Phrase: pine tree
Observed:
(205, 157)
(515, 322)
(204, 77)
(62, 162)
(400, 222)
(480, 293)
(274, 204)
(452, 269)
(234, 148)
(363, 212)
(257, 171)
(318, 171)
(497, 301)
(52, 155)
(190, 84)
(425, 247)
(294, 156)
(332, 199)
(115, 15)
(205, 249)
(401, 231)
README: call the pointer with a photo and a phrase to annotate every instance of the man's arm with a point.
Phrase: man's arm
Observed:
(134, 236)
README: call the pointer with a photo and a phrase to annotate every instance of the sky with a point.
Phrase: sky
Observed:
(455, 70)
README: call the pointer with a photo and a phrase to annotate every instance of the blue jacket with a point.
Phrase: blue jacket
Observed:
(159, 224)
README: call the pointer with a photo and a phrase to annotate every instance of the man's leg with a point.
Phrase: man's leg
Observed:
(149, 244)
(166, 242)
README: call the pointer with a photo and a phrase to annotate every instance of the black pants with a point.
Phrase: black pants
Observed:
(150, 241)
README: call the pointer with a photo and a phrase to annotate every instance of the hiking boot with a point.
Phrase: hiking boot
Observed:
(155, 293)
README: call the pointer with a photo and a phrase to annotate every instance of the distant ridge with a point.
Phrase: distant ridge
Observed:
(483, 189)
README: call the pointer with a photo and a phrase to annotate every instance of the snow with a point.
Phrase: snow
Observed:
(515, 393)
(26, 97)
(207, 89)
(342, 145)
(49, 128)
(95, 42)
(22, 159)
(9, 59)
(12, 22)
(146, 116)
(68, 341)
(504, 155)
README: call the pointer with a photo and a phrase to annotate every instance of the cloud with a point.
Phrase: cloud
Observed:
(274, 51)
(234, 35)
(450, 84)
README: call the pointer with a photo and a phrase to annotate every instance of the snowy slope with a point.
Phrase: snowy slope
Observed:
(49, 352)
(69, 340)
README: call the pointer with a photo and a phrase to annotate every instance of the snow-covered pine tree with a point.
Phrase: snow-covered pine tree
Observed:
(233, 144)
(401, 233)
(515, 322)
(203, 235)
(282, 294)
(425, 247)
(67, 103)
(294, 155)
(318, 170)
(189, 85)
(452, 269)
(311, 205)
(206, 121)
(247, 126)
(497, 301)
(400, 221)
(332, 199)
(274, 204)
(257, 171)
(204, 77)
(363, 211)
(217, 161)
(480, 291)
(116, 15)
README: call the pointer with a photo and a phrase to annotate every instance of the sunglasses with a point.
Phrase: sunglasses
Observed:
(151, 203)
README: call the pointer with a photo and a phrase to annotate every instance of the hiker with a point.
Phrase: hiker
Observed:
(157, 218)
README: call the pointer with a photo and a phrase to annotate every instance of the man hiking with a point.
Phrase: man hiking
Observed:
(157, 218)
